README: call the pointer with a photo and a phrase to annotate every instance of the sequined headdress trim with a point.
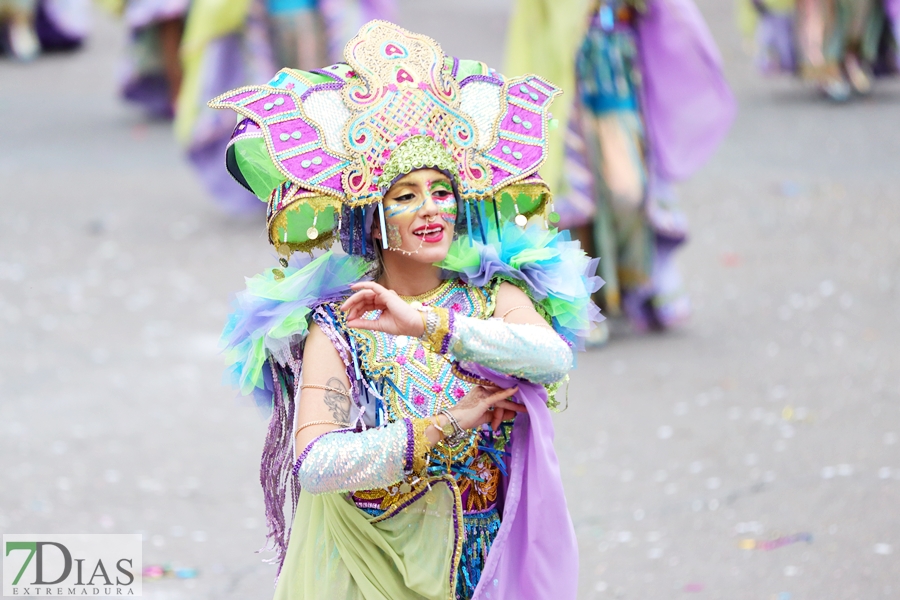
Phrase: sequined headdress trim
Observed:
(312, 142)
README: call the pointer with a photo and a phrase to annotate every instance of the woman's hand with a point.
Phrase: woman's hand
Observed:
(397, 317)
(486, 405)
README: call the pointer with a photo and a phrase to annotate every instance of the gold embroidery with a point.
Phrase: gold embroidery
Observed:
(420, 445)
(435, 339)
(483, 495)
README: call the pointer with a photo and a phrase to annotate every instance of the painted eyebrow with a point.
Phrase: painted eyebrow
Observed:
(444, 184)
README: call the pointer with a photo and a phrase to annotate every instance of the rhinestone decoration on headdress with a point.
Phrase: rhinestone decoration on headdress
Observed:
(332, 136)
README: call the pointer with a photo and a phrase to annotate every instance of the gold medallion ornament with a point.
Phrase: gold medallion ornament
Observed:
(312, 233)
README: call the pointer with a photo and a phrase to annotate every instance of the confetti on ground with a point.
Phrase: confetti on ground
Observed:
(166, 571)
(751, 544)
(883, 549)
(730, 259)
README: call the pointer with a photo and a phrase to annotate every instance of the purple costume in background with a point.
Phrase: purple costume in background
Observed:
(62, 24)
(144, 80)
(687, 104)
(841, 45)
(29, 27)
(652, 107)
(253, 54)
(892, 8)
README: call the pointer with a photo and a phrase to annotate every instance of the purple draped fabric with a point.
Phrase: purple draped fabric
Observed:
(892, 8)
(688, 106)
(230, 62)
(535, 554)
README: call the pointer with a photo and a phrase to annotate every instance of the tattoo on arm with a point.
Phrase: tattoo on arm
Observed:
(339, 403)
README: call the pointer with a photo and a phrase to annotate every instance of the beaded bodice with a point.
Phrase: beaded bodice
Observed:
(417, 381)
(413, 381)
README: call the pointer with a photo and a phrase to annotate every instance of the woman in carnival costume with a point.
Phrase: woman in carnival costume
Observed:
(151, 71)
(838, 44)
(233, 43)
(411, 379)
(650, 106)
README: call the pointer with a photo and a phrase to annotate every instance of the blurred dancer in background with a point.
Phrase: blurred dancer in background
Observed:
(838, 44)
(234, 43)
(30, 26)
(649, 105)
(152, 72)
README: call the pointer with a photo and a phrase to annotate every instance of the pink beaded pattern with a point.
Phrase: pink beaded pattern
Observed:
(422, 381)
(396, 85)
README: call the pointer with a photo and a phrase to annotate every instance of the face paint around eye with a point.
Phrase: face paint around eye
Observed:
(446, 203)
(397, 209)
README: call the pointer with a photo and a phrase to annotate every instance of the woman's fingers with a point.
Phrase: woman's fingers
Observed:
(358, 298)
(361, 303)
(499, 415)
(500, 395)
(496, 419)
(372, 325)
(510, 406)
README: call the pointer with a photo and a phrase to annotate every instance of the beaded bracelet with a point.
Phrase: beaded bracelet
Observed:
(443, 430)
(459, 434)
(436, 425)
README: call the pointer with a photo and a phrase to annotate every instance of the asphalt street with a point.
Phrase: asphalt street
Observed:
(752, 454)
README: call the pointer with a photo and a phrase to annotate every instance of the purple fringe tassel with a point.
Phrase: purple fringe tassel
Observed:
(276, 463)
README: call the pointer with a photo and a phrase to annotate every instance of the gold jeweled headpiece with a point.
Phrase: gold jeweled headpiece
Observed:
(322, 146)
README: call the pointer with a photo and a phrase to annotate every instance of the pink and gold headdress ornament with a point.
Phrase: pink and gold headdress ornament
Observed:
(323, 147)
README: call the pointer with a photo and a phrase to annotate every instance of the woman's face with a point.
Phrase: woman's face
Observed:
(420, 215)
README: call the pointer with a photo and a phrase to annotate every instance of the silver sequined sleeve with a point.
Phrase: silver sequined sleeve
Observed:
(347, 461)
(530, 352)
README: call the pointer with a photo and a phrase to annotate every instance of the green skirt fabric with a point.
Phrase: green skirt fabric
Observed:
(339, 552)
